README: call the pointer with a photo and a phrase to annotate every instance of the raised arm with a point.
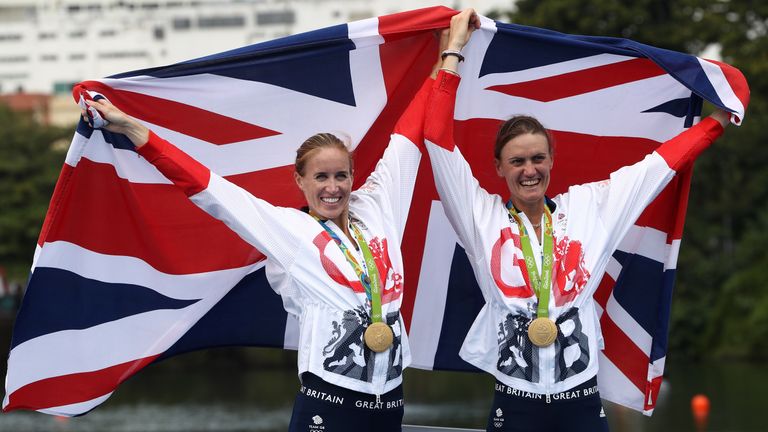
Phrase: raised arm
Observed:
(632, 188)
(463, 200)
(392, 182)
(268, 228)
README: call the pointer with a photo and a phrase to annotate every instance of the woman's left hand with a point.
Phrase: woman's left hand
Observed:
(722, 116)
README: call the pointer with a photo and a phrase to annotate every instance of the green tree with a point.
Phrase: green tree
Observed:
(721, 300)
(29, 167)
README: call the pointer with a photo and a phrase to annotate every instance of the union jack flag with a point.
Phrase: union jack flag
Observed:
(127, 271)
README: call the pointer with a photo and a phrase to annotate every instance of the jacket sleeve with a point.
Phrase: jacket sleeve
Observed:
(390, 186)
(627, 193)
(466, 204)
(266, 227)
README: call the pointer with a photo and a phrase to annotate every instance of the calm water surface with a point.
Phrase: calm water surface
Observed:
(226, 392)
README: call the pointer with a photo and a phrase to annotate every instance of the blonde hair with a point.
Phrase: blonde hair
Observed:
(316, 142)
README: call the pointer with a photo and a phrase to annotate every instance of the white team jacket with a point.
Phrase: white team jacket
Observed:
(589, 221)
(308, 269)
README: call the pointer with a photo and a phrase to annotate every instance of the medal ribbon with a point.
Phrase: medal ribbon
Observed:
(539, 283)
(370, 281)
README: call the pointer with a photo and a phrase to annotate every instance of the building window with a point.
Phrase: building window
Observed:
(77, 57)
(46, 36)
(10, 37)
(182, 23)
(159, 33)
(107, 33)
(77, 34)
(62, 87)
(49, 57)
(276, 17)
(14, 59)
(123, 54)
(221, 21)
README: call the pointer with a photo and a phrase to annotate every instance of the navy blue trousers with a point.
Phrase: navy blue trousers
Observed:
(324, 407)
(575, 410)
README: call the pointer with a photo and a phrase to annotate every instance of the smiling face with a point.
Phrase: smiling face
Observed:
(525, 162)
(326, 181)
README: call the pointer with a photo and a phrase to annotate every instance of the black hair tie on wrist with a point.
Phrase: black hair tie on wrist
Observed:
(447, 53)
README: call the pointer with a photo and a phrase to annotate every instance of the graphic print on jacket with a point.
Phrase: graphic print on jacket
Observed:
(569, 274)
(571, 346)
(346, 354)
(393, 282)
(518, 357)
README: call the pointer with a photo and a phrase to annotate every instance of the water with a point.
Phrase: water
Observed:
(253, 390)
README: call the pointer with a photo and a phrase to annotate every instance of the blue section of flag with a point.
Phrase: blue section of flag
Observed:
(59, 300)
(118, 141)
(515, 47)
(315, 63)
(83, 129)
(661, 334)
(506, 54)
(639, 288)
(250, 314)
(676, 107)
(462, 304)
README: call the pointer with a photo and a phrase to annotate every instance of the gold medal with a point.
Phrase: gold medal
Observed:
(378, 337)
(542, 332)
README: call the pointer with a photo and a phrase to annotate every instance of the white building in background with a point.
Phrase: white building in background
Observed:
(47, 45)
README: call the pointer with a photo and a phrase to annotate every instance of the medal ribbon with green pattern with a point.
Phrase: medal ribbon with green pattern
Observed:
(370, 281)
(539, 283)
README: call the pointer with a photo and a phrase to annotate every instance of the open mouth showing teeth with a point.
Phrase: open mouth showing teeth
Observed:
(529, 182)
(330, 200)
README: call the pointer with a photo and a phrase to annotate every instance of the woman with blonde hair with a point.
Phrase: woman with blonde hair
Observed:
(337, 264)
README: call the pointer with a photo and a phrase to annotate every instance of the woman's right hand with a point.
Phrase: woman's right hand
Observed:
(462, 26)
(119, 122)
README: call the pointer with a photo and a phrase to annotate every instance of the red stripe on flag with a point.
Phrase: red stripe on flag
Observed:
(56, 200)
(405, 24)
(282, 189)
(73, 388)
(582, 81)
(186, 119)
(667, 212)
(624, 354)
(652, 393)
(153, 222)
(603, 291)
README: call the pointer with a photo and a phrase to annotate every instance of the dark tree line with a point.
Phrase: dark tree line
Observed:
(30, 163)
